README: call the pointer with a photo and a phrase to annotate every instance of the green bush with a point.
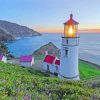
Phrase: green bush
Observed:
(16, 81)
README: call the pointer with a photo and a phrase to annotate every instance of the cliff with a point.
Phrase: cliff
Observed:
(12, 30)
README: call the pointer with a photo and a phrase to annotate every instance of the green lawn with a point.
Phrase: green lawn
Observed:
(88, 71)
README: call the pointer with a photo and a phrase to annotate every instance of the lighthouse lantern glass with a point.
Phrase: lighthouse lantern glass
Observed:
(70, 30)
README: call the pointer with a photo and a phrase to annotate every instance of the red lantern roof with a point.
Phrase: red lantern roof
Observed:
(49, 59)
(71, 21)
(57, 62)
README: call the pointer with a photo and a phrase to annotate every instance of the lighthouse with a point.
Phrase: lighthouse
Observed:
(69, 51)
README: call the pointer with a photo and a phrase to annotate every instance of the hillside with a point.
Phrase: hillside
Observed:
(50, 47)
(5, 36)
(3, 50)
(17, 30)
(16, 81)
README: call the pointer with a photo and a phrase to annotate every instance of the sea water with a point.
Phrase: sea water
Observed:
(89, 47)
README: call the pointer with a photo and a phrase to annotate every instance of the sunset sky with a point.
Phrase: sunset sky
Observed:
(49, 15)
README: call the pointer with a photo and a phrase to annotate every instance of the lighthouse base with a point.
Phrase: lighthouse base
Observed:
(69, 78)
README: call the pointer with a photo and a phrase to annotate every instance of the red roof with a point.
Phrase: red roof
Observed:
(57, 62)
(71, 21)
(1, 56)
(26, 58)
(49, 59)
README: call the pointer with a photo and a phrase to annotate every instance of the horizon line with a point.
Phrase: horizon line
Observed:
(86, 30)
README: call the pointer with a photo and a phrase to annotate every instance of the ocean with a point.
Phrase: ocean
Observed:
(89, 48)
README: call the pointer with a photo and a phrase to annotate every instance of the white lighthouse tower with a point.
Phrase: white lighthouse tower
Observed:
(69, 51)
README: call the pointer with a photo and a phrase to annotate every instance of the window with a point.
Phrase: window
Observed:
(66, 52)
(47, 67)
(67, 41)
(56, 68)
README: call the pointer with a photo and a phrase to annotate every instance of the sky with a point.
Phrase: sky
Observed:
(49, 15)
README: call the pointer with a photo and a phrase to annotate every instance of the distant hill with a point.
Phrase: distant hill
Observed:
(14, 30)
(50, 47)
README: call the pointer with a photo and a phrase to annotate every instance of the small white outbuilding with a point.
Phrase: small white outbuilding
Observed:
(51, 63)
(3, 58)
(27, 61)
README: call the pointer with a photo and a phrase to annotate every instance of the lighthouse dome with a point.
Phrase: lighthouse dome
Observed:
(71, 21)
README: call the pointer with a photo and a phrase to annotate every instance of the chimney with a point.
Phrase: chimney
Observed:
(46, 53)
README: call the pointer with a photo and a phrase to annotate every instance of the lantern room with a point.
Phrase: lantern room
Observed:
(70, 27)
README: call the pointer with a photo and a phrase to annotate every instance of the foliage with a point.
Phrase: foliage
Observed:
(16, 81)
(4, 51)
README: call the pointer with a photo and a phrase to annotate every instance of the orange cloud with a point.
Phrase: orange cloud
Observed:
(90, 30)
(50, 30)
(61, 30)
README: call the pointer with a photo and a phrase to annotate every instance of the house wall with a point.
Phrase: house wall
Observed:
(57, 69)
(52, 67)
(26, 64)
(32, 63)
(4, 59)
(45, 66)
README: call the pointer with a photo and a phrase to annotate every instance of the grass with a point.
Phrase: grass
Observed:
(16, 81)
(88, 71)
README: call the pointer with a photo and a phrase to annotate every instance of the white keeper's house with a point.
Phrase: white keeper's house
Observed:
(51, 63)
(27, 61)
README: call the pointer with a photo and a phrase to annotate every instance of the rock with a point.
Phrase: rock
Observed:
(50, 47)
